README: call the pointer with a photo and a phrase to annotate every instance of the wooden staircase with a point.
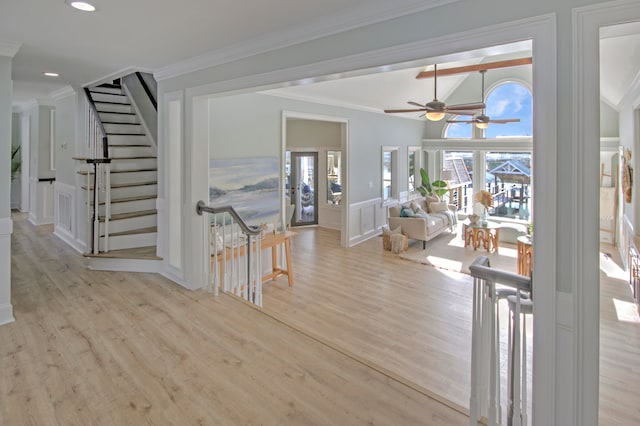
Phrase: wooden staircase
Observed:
(133, 176)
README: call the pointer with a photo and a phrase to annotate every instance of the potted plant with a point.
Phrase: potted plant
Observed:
(437, 187)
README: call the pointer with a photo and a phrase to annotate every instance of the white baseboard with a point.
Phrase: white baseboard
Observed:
(124, 265)
(353, 241)
(65, 236)
(6, 314)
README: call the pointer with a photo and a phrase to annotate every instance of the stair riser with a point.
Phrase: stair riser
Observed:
(102, 107)
(120, 242)
(119, 118)
(101, 97)
(133, 164)
(128, 140)
(134, 191)
(130, 151)
(123, 128)
(130, 206)
(134, 177)
(130, 224)
(112, 90)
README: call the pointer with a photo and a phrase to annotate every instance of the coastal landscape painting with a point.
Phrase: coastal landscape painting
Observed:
(250, 185)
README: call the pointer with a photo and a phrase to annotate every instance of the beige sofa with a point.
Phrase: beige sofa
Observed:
(422, 227)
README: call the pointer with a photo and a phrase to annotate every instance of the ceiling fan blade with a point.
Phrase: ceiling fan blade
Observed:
(415, 104)
(505, 120)
(456, 112)
(404, 110)
(461, 121)
(476, 105)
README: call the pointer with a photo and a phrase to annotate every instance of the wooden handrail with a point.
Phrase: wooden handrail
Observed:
(247, 229)
(147, 90)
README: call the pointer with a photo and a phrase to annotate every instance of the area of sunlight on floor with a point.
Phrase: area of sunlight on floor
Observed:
(626, 311)
(610, 268)
(445, 263)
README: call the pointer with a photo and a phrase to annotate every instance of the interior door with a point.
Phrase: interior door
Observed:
(303, 186)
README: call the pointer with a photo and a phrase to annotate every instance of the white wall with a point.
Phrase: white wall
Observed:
(565, 384)
(6, 225)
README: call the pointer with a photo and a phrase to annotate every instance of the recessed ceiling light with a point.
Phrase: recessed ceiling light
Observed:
(81, 5)
(51, 74)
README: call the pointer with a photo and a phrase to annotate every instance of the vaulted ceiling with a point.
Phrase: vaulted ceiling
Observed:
(152, 35)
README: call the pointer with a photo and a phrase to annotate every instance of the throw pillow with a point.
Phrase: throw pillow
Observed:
(415, 207)
(428, 199)
(421, 213)
(407, 212)
(438, 207)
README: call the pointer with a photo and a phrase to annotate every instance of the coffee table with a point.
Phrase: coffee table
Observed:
(485, 234)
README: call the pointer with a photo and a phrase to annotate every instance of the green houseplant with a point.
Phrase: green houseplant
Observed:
(437, 187)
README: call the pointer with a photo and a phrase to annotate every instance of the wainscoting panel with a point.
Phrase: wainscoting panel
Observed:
(6, 309)
(41, 206)
(65, 219)
(367, 219)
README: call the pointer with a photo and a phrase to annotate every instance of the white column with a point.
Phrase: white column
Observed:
(6, 225)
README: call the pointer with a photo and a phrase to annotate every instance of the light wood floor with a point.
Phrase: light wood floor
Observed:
(117, 348)
(110, 348)
(415, 320)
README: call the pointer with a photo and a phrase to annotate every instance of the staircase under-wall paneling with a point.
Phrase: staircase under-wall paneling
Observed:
(133, 174)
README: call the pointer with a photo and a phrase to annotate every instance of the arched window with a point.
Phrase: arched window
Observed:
(458, 130)
(509, 100)
(506, 100)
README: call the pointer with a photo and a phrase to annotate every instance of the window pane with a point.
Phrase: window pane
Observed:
(386, 175)
(509, 100)
(458, 130)
(461, 185)
(334, 184)
(509, 180)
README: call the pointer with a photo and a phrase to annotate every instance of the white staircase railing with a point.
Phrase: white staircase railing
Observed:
(100, 191)
(485, 398)
(235, 248)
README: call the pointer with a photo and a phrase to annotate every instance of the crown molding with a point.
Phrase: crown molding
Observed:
(297, 35)
(8, 48)
(118, 74)
(62, 93)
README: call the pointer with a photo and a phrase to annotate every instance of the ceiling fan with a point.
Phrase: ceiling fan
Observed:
(436, 110)
(482, 120)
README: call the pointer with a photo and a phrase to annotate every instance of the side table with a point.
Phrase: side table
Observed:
(486, 235)
(525, 255)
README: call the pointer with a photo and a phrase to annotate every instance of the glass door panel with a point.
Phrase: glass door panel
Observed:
(303, 184)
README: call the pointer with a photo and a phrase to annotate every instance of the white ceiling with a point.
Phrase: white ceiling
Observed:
(90, 47)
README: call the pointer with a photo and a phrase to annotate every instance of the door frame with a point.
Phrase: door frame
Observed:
(344, 207)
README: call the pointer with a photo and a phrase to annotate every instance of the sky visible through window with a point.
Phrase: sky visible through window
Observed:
(508, 100)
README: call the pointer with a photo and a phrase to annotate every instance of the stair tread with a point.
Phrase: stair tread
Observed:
(121, 216)
(121, 123)
(128, 185)
(143, 253)
(127, 199)
(106, 93)
(111, 103)
(90, 172)
(117, 112)
(148, 230)
(126, 134)
(140, 157)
